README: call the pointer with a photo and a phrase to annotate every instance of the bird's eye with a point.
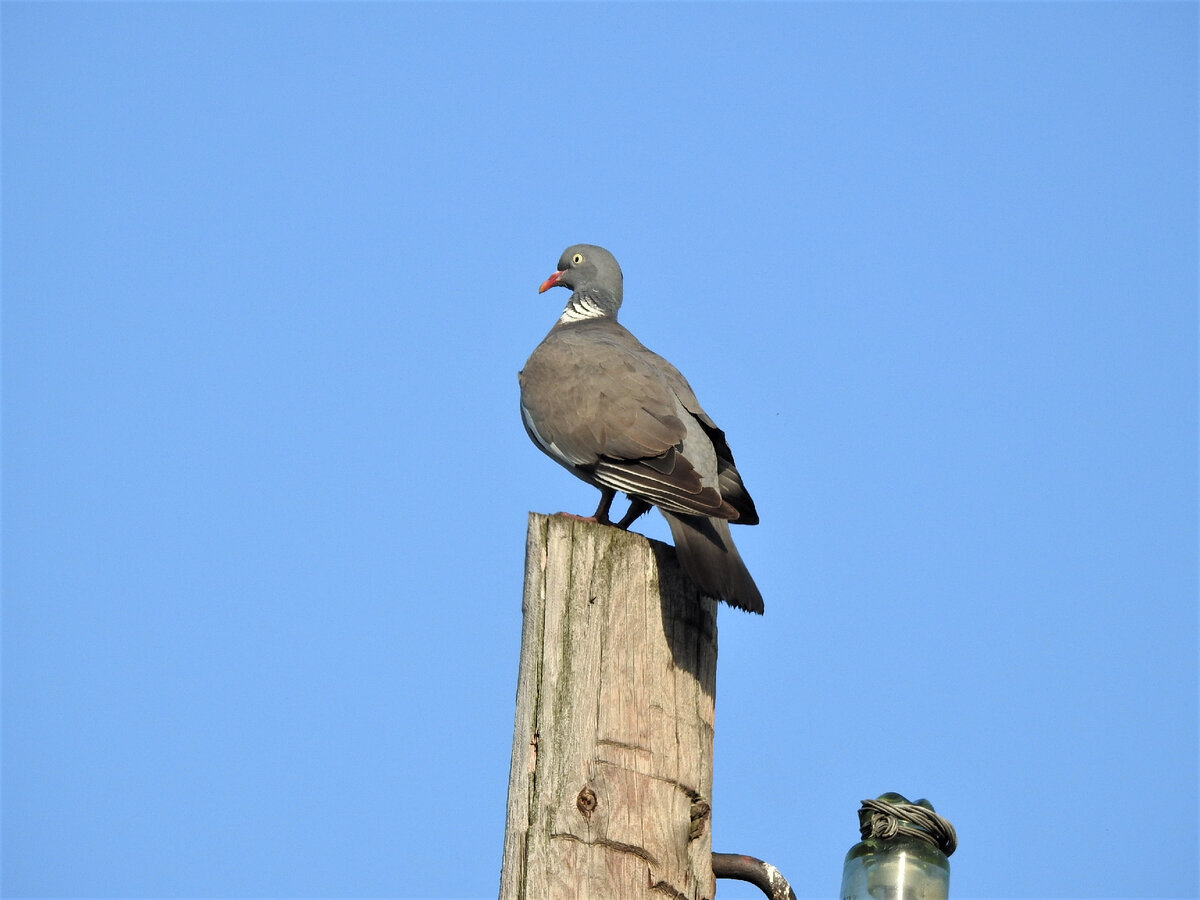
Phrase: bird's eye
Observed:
(576, 259)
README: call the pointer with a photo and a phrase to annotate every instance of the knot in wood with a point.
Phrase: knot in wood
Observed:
(699, 812)
(586, 802)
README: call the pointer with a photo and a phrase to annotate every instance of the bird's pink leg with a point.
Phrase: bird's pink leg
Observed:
(601, 514)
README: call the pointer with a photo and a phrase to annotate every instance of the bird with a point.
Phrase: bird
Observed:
(622, 418)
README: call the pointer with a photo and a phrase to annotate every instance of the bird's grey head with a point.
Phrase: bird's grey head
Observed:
(594, 278)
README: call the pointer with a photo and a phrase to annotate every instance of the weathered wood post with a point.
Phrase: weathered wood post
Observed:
(611, 779)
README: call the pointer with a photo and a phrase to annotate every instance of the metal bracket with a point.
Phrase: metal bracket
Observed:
(762, 875)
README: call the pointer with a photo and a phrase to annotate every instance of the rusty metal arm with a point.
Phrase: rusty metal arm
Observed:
(762, 875)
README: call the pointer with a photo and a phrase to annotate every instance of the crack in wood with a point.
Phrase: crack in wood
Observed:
(639, 852)
(670, 890)
(689, 792)
(609, 742)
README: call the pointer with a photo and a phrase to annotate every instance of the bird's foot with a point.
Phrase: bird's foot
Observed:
(636, 509)
(600, 516)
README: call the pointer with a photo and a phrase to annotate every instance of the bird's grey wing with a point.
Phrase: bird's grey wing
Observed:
(596, 406)
(729, 480)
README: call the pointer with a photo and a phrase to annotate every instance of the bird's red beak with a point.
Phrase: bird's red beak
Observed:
(550, 282)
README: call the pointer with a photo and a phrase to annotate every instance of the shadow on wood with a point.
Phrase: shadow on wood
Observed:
(689, 619)
(611, 774)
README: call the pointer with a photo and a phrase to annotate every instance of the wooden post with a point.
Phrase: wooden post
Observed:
(611, 779)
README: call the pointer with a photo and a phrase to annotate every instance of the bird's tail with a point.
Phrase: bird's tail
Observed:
(707, 554)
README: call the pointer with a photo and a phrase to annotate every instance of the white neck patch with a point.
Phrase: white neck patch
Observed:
(582, 308)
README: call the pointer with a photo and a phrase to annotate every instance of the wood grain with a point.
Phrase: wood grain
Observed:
(611, 774)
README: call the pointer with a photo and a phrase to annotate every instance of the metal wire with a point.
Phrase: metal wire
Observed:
(881, 819)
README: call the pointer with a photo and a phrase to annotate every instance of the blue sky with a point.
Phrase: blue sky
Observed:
(269, 271)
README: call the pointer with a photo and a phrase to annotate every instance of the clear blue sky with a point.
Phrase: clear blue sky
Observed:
(269, 272)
